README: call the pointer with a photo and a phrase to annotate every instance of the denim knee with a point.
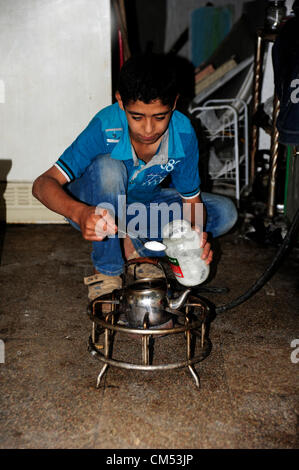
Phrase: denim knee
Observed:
(109, 175)
(103, 180)
(229, 216)
(221, 213)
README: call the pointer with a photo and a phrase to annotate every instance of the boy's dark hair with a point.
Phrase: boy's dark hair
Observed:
(148, 77)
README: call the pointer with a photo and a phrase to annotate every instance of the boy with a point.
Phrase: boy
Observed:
(120, 160)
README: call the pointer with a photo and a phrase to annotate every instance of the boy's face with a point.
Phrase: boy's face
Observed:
(147, 122)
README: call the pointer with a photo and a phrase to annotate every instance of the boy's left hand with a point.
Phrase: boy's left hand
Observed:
(207, 253)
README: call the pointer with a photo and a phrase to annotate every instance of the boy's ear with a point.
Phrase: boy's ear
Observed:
(174, 106)
(119, 100)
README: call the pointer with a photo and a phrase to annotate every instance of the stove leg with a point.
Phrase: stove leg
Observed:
(145, 350)
(203, 332)
(105, 367)
(195, 376)
(145, 341)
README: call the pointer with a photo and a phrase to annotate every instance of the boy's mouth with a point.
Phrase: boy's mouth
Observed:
(148, 139)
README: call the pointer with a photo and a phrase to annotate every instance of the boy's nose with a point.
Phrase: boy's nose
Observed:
(148, 127)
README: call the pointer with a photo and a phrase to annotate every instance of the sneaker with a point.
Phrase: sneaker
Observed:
(122, 320)
(144, 270)
(100, 284)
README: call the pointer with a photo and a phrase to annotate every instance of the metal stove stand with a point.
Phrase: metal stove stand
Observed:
(192, 322)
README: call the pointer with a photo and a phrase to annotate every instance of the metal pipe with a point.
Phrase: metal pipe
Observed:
(258, 71)
(274, 158)
(175, 365)
(164, 331)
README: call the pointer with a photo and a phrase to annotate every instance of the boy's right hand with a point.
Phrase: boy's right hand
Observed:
(96, 223)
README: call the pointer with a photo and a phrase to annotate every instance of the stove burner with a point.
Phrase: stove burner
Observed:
(191, 321)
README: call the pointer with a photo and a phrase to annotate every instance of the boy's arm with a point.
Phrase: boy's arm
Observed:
(197, 213)
(94, 225)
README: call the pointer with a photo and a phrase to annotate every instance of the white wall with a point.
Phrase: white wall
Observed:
(55, 74)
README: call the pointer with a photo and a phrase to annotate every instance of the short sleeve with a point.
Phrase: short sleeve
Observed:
(78, 156)
(185, 176)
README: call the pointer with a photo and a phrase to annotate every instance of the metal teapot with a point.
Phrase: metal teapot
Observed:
(144, 301)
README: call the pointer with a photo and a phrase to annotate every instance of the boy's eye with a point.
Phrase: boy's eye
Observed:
(160, 118)
(136, 118)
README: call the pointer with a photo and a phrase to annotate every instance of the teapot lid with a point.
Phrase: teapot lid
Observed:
(148, 283)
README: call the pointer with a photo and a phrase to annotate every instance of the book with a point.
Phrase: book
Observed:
(214, 76)
(204, 73)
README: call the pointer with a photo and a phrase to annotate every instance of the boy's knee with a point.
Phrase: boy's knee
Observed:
(110, 174)
(229, 214)
(230, 210)
(222, 213)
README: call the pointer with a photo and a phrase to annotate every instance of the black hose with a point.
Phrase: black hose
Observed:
(287, 243)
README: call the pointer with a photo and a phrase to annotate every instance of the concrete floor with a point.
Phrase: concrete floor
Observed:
(249, 385)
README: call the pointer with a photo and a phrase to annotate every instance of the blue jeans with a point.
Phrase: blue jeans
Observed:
(105, 180)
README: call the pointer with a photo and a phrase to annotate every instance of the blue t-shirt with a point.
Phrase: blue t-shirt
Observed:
(108, 133)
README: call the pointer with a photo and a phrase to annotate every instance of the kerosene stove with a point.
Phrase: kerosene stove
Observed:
(145, 308)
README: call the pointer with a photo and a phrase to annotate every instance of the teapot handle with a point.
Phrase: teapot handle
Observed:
(153, 261)
(142, 260)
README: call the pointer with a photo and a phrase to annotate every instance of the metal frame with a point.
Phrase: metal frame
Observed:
(108, 326)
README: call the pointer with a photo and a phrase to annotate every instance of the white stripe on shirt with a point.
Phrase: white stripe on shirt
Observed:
(63, 172)
(190, 197)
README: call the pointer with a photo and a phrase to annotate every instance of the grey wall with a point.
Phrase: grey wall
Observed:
(55, 75)
(178, 14)
(178, 17)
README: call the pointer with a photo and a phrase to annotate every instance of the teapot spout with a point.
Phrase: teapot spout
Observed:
(175, 304)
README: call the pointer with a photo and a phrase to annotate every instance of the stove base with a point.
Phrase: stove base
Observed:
(192, 322)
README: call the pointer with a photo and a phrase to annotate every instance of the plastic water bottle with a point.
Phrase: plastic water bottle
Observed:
(184, 253)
